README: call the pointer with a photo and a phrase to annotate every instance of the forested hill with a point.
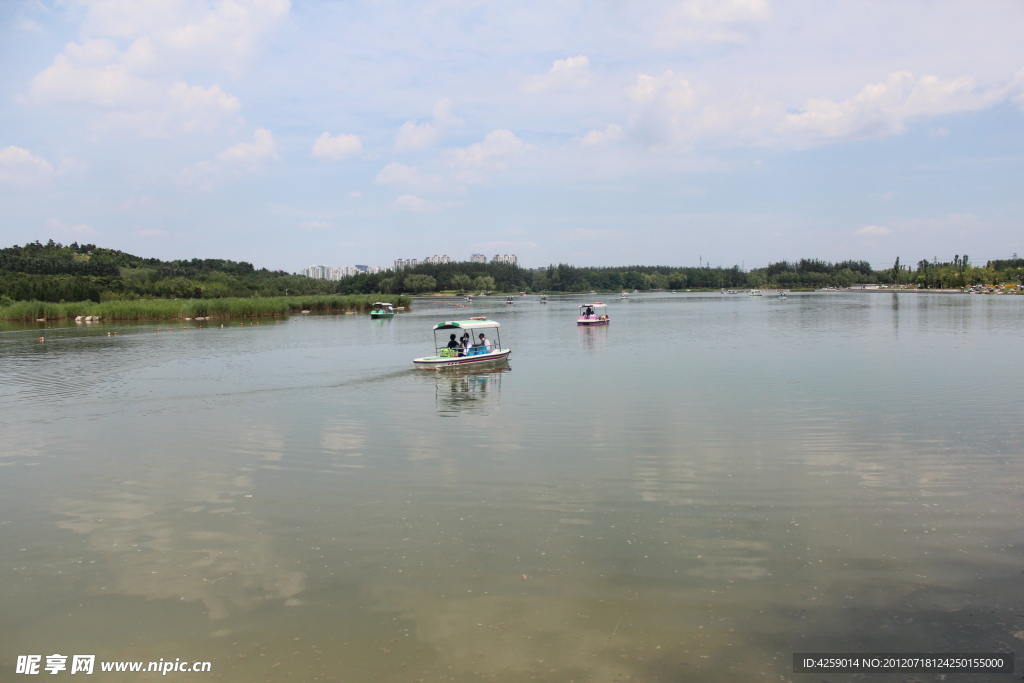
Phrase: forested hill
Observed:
(54, 272)
(81, 272)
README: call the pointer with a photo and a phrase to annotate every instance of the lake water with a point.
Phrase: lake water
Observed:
(693, 493)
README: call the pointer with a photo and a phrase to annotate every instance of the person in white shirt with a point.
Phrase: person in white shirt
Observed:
(484, 343)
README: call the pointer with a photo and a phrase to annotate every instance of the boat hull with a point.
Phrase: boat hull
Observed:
(376, 316)
(592, 322)
(440, 363)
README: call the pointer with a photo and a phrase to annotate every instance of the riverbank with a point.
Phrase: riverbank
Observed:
(174, 309)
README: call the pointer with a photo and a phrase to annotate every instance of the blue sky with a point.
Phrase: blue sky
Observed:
(601, 133)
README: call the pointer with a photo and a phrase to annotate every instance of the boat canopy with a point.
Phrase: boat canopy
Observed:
(467, 325)
(596, 304)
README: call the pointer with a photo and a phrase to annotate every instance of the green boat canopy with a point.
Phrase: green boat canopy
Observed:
(466, 325)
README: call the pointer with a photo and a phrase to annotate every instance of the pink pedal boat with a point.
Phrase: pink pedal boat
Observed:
(593, 314)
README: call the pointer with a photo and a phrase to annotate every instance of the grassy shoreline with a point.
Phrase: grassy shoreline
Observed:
(173, 309)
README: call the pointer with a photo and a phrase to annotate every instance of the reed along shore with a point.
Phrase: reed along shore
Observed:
(174, 309)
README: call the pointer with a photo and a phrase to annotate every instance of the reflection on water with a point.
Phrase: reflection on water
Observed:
(469, 390)
(593, 339)
(745, 479)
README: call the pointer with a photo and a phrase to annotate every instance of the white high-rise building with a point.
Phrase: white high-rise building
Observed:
(437, 260)
(328, 273)
(401, 263)
(478, 258)
(506, 258)
(318, 272)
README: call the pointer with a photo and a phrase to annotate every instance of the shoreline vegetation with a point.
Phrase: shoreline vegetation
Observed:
(175, 309)
(37, 279)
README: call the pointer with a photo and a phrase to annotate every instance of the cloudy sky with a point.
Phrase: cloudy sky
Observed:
(596, 133)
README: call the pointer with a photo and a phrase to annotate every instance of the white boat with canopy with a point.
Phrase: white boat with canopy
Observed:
(593, 314)
(468, 343)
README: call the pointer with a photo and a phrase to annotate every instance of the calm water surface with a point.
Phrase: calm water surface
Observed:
(693, 493)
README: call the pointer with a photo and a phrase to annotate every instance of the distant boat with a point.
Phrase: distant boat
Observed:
(543, 299)
(623, 296)
(755, 292)
(382, 310)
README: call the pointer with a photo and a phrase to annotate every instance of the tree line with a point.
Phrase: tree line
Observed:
(53, 272)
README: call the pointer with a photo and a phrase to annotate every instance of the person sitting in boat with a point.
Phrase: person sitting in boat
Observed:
(465, 342)
(484, 343)
(454, 344)
(589, 313)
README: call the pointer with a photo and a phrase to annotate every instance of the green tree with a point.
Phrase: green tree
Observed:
(420, 283)
(462, 282)
(484, 283)
(677, 280)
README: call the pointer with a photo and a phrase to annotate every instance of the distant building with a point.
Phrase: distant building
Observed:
(437, 260)
(328, 273)
(318, 272)
(478, 258)
(402, 263)
(506, 258)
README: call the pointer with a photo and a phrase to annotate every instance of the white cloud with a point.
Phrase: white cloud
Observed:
(874, 231)
(472, 164)
(670, 110)
(88, 74)
(663, 106)
(336, 148)
(243, 158)
(151, 232)
(572, 74)
(138, 86)
(610, 135)
(29, 26)
(408, 202)
(199, 107)
(883, 109)
(224, 32)
(93, 74)
(709, 21)
(413, 135)
(463, 166)
(1016, 89)
(20, 167)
